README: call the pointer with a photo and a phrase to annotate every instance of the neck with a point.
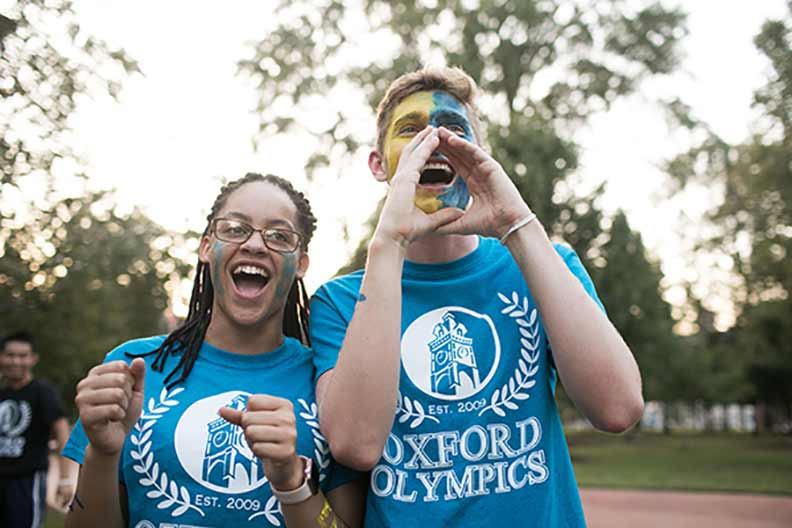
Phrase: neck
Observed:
(248, 340)
(19, 383)
(441, 248)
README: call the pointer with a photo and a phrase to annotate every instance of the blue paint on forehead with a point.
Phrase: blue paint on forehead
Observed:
(446, 109)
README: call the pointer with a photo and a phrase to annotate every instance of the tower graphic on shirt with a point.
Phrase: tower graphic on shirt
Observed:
(227, 453)
(453, 358)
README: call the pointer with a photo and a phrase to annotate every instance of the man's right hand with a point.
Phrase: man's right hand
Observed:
(401, 220)
(109, 401)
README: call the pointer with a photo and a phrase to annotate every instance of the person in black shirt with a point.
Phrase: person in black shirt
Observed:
(30, 414)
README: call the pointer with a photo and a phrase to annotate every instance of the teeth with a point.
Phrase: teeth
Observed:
(250, 270)
(438, 166)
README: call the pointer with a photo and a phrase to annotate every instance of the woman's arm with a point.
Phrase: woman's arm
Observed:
(271, 432)
(109, 400)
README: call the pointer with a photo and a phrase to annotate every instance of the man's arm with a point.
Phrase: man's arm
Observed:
(60, 431)
(595, 365)
(357, 399)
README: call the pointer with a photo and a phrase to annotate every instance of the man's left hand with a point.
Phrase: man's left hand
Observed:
(497, 204)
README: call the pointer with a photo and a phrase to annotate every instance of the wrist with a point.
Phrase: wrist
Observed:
(293, 475)
(100, 456)
(509, 218)
(382, 243)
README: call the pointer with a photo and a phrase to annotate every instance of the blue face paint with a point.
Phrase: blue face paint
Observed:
(449, 112)
(217, 249)
(287, 275)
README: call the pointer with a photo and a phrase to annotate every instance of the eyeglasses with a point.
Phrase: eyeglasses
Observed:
(236, 232)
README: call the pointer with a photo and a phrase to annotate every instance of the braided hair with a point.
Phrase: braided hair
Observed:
(187, 339)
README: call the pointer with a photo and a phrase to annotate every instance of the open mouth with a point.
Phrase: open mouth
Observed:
(249, 280)
(436, 174)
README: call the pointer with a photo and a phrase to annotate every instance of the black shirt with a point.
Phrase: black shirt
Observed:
(26, 417)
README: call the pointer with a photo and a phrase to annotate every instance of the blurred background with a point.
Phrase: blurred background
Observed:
(655, 138)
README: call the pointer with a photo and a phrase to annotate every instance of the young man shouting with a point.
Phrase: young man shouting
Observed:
(460, 325)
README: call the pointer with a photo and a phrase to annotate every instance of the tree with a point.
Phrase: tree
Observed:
(88, 280)
(751, 226)
(544, 68)
(47, 62)
(75, 272)
(629, 287)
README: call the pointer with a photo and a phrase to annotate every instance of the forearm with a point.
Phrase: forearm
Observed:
(595, 365)
(359, 403)
(96, 502)
(61, 434)
(315, 512)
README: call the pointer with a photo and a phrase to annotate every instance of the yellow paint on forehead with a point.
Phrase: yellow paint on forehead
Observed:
(420, 102)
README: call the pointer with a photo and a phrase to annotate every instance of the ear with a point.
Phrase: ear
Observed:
(377, 166)
(35, 360)
(204, 250)
(302, 264)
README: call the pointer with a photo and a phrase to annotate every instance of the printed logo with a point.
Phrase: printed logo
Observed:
(213, 451)
(450, 353)
(14, 420)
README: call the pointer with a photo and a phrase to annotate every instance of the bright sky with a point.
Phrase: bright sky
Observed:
(187, 123)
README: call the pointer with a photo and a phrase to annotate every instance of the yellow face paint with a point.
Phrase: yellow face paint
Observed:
(413, 114)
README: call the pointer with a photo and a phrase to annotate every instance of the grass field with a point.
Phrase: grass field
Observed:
(687, 462)
(694, 462)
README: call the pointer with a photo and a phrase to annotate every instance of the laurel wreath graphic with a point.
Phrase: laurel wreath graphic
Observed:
(412, 409)
(527, 365)
(270, 509)
(171, 492)
(321, 447)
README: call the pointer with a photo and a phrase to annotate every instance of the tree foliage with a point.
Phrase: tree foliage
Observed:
(88, 279)
(47, 62)
(544, 67)
(74, 271)
(751, 225)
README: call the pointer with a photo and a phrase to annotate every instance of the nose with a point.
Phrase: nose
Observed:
(255, 243)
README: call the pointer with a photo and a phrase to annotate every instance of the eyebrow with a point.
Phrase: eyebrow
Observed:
(451, 114)
(278, 222)
(412, 116)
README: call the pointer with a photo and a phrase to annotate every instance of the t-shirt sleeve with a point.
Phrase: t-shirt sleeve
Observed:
(574, 265)
(339, 475)
(53, 406)
(75, 446)
(328, 328)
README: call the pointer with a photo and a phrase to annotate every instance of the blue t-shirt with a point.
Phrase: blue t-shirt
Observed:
(477, 439)
(182, 464)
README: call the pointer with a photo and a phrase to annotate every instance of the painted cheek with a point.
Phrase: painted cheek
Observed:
(217, 251)
(287, 275)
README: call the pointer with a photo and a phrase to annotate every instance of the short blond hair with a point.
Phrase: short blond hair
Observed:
(452, 80)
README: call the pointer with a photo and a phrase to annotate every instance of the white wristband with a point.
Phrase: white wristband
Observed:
(525, 221)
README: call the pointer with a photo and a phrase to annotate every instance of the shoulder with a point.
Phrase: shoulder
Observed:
(344, 283)
(296, 349)
(339, 291)
(564, 251)
(43, 385)
(134, 347)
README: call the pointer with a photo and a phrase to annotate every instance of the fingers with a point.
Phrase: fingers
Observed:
(138, 370)
(94, 415)
(265, 402)
(233, 416)
(443, 217)
(416, 153)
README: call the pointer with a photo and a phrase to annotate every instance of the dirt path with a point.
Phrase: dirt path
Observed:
(647, 509)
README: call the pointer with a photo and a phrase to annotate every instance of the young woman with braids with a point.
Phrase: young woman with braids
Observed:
(152, 448)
